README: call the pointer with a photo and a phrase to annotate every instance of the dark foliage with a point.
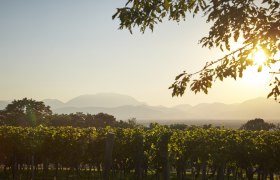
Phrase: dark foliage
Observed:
(257, 125)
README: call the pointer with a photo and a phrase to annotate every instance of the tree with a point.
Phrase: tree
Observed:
(2, 117)
(58, 120)
(89, 120)
(257, 22)
(78, 119)
(178, 126)
(132, 122)
(26, 112)
(102, 120)
(257, 125)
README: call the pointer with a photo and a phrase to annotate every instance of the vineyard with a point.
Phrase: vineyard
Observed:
(124, 153)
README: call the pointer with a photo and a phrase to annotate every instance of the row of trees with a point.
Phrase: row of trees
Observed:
(31, 113)
(28, 112)
(79, 119)
(256, 124)
(213, 153)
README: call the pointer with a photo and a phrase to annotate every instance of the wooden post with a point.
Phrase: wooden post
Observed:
(32, 167)
(15, 168)
(204, 166)
(56, 170)
(164, 152)
(108, 155)
(221, 172)
(271, 175)
(139, 157)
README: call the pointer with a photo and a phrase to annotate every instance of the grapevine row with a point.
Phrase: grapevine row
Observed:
(159, 152)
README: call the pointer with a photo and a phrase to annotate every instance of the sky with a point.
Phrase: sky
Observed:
(63, 49)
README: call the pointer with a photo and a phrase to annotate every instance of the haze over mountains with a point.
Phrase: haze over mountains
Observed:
(125, 107)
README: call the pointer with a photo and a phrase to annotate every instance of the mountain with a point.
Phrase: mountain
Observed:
(142, 112)
(54, 103)
(250, 109)
(125, 107)
(183, 107)
(102, 100)
(259, 107)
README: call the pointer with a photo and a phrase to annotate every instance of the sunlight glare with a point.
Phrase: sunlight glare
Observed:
(259, 57)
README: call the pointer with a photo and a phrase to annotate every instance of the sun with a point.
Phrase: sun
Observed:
(259, 57)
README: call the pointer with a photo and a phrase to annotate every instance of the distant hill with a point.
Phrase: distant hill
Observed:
(142, 112)
(102, 100)
(125, 107)
(183, 107)
(253, 108)
(54, 103)
(259, 107)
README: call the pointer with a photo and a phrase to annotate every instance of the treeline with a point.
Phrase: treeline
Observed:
(31, 113)
(158, 152)
(79, 119)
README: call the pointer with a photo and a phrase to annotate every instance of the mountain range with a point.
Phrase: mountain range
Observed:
(125, 107)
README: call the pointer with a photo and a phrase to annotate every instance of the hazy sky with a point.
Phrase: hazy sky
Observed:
(62, 49)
